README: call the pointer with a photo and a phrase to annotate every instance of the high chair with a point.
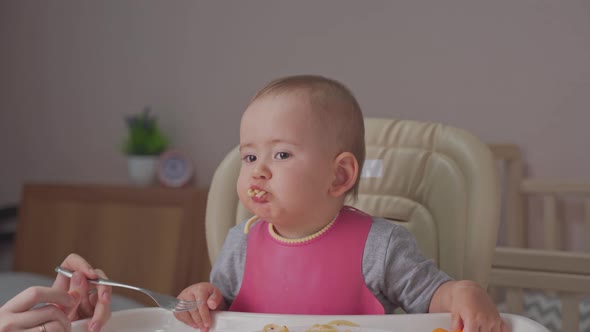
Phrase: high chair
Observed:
(438, 181)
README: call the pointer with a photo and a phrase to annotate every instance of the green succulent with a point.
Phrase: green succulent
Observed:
(145, 138)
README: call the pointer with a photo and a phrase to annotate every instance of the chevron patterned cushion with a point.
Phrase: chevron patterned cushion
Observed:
(546, 310)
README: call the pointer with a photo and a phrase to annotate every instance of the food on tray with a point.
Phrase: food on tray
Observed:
(274, 328)
(342, 322)
(333, 326)
(339, 325)
(322, 328)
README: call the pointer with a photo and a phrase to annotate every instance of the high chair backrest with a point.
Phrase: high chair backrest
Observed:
(438, 181)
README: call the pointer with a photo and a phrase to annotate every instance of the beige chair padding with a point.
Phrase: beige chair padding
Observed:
(438, 181)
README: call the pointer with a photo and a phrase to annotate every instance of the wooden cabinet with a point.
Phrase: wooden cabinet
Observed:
(150, 237)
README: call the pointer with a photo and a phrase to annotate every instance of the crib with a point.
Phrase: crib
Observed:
(541, 276)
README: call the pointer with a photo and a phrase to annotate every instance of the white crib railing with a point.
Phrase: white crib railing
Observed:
(551, 191)
(515, 267)
(567, 273)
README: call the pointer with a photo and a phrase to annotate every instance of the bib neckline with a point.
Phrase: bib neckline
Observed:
(273, 233)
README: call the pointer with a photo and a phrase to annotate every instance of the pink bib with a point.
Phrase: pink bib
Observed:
(322, 276)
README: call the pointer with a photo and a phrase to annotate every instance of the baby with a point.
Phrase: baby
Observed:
(305, 252)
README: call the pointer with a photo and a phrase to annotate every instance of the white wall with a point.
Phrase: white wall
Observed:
(508, 71)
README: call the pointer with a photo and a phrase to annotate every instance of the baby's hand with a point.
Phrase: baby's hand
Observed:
(208, 297)
(473, 310)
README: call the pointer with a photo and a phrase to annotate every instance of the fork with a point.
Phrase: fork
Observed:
(162, 300)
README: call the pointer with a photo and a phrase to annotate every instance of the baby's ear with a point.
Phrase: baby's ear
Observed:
(346, 170)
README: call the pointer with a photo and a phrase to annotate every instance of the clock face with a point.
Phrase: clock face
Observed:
(174, 169)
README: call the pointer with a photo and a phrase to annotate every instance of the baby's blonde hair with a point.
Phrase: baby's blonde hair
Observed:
(336, 107)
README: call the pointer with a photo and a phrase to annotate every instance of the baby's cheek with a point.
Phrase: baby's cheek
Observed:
(243, 195)
(241, 187)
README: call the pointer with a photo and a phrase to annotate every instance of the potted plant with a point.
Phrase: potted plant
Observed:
(143, 144)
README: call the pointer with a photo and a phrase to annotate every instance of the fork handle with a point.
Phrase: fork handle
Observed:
(97, 281)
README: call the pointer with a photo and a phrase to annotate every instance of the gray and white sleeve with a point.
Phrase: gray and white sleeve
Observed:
(410, 278)
(396, 271)
(228, 269)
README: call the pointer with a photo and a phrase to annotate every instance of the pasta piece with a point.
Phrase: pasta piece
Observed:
(342, 322)
(329, 327)
(274, 328)
(322, 328)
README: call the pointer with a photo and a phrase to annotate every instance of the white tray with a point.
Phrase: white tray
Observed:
(159, 320)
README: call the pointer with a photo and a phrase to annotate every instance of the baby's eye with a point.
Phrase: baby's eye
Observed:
(249, 158)
(282, 155)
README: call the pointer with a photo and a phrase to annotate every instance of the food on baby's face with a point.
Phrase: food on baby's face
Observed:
(256, 192)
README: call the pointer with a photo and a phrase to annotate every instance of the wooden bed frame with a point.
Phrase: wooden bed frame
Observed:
(516, 266)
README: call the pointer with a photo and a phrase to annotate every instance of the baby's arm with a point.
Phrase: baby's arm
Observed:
(470, 306)
(208, 297)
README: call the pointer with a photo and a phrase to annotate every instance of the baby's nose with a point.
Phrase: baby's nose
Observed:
(262, 172)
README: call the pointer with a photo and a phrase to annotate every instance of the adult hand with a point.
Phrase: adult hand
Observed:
(94, 300)
(67, 300)
(17, 314)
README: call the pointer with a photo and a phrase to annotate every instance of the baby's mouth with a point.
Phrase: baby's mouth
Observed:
(256, 193)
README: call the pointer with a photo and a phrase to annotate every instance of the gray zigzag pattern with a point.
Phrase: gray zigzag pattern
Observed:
(550, 317)
(546, 310)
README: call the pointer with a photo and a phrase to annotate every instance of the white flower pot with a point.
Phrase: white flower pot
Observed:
(142, 169)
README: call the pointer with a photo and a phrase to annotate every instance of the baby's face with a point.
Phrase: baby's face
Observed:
(287, 164)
